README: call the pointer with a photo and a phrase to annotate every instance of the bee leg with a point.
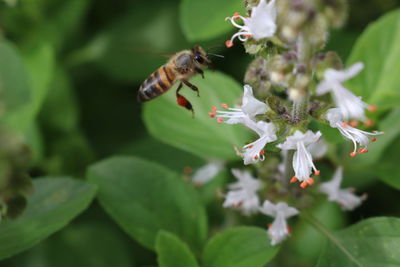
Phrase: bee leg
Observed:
(199, 71)
(191, 86)
(183, 102)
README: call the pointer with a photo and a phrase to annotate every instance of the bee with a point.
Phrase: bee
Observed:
(180, 67)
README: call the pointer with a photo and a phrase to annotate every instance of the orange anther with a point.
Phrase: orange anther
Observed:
(373, 139)
(262, 152)
(213, 108)
(372, 108)
(228, 43)
(369, 123)
(269, 225)
(224, 105)
(303, 185)
(354, 123)
(364, 150)
(220, 120)
(353, 154)
(344, 124)
(289, 229)
(310, 181)
(236, 16)
(294, 179)
(211, 114)
(317, 172)
(255, 157)
(248, 35)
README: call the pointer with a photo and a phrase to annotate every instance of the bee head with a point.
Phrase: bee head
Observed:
(201, 57)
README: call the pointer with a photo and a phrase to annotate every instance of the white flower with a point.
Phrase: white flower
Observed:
(253, 152)
(243, 194)
(207, 172)
(261, 24)
(318, 149)
(345, 197)
(278, 231)
(357, 136)
(350, 105)
(302, 159)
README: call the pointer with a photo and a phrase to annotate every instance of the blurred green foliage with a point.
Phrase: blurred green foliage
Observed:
(69, 72)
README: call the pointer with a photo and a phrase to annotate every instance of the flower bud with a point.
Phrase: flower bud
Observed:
(335, 11)
(258, 77)
(324, 61)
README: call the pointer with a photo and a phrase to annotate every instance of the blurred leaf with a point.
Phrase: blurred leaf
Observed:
(134, 45)
(331, 216)
(378, 48)
(145, 147)
(143, 198)
(78, 245)
(172, 252)
(60, 109)
(202, 136)
(388, 167)
(372, 242)
(15, 91)
(55, 202)
(39, 61)
(64, 18)
(203, 20)
(239, 247)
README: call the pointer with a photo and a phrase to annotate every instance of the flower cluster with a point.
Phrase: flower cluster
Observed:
(288, 88)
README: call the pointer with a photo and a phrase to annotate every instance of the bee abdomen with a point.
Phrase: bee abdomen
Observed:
(157, 84)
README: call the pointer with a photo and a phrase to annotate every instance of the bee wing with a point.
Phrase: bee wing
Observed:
(151, 52)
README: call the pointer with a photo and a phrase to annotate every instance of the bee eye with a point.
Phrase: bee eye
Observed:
(199, 59)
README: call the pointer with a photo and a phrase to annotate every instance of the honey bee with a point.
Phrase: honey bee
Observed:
(180, 67)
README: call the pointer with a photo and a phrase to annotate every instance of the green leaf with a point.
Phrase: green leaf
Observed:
(372, 242)
(331, 216)
(202, 135)
(55, 202)
(143, 198)
(203, 20)
(379, 50)
(172, 252)
(56, 117)
(39, 62)
(134, 46)
(79, 245)
(388, 167)
(239, 247)
(15, 91)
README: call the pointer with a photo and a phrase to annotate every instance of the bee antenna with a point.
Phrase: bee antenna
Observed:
(214, 47)
(215, 55)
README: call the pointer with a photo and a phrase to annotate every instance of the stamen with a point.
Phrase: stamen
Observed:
(317, 172)
(345, 124)
(262, 152)
(310, 181)
(369, 123)
(294, 179)
(372, 108)
(353, 154)
(269, 225)
(213, 108)
(373, 139)
(224, 105)
(236, 16)
(354, 123)
(220, 120)
(228, 43)
(255, 157)
(303, 185)
(211, 114)
(248, 36)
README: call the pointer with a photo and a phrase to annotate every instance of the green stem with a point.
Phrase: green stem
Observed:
(324, 231)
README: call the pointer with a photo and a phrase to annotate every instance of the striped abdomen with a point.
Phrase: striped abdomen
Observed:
(158, 83)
